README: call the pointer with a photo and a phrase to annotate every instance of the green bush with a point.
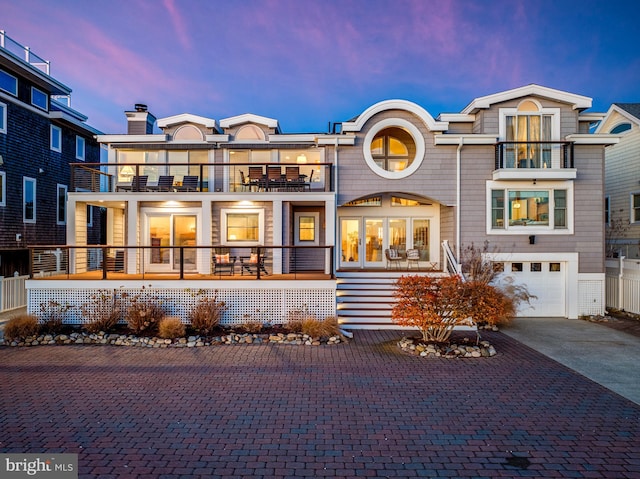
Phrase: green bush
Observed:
(171, 328)
(21, 327)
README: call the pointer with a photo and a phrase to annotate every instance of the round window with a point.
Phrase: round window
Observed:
(394, 148)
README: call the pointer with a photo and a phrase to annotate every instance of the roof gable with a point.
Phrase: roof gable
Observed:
(248, 118)
(186, 118)
(577, 101)
(619, 111)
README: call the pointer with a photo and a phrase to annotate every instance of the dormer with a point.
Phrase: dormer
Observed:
(188, 128)
(249, 128)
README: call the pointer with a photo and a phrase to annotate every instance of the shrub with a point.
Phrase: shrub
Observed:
(312, 326)
(488, 304)
(171, 328)
(21, 327)
(433, 305)
(143, 316)
(102, 312)
(52, 316)
(252, 326)
(205, 316)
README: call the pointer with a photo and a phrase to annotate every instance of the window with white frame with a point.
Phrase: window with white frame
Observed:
(39, 99)
(529, 130)
(28, 200)
(242, 227)
(635, 207)
(394, 148)
(518, 209)
(89, 215)
(8, 83)
(3, 188)
(56, 138)
(607, 210)
(79, 148)
(61, 203)
(3, 118)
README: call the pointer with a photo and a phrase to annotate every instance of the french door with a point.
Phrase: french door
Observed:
(164, 230)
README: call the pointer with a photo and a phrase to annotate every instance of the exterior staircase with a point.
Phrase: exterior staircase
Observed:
(365, 298)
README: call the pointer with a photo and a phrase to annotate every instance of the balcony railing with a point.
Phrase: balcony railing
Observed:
(534, 154)
(23, 52)
(204, 177)
(181, 262)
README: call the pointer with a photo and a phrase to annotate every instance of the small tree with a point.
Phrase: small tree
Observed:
(433, 305)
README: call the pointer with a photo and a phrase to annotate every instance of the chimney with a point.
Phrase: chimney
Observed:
(140, 121)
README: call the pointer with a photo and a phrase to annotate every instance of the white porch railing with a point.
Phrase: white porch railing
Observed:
(623, 284)
(451, 264)
(13, 292)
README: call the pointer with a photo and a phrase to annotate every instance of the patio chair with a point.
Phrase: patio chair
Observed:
(252, 263)
(245, 183)
(307, 184)
(189, 183)
(393, 258)
(224, 263)
(138, 183)
(413, 258)
(274, 178)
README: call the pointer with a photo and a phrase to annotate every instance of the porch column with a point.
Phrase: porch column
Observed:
(329, 232)
(205, 237)
(71, 233)
(132, 235)
(277, 236)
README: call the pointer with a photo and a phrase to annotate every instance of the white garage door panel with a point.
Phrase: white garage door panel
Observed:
(548, 286)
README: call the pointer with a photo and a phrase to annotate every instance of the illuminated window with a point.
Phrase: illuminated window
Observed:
(371, 201)
(188, 132)
(393, 149)
(306, 228)
(242, 227)
(518, 208)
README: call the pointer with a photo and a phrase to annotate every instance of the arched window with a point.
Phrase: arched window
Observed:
(188, 132)
(621, 128)
(249, 132)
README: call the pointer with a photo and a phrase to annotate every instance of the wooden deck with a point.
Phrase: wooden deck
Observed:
(111, 276)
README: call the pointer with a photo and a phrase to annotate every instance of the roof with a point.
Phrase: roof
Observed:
(631, 108)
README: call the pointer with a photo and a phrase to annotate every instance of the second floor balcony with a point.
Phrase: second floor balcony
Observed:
(244, 178)
(515, 160)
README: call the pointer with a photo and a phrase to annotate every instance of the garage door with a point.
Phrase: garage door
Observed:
(546, 281)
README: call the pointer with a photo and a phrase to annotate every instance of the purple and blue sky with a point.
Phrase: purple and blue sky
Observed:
(307, 63)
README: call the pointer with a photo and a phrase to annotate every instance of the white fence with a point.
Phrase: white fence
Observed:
(13, 292)
(623, 284)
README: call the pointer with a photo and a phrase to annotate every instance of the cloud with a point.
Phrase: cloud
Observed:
(179, 24)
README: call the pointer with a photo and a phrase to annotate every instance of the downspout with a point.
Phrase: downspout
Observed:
(458, 182)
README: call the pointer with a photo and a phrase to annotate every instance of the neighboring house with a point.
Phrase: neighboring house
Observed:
(40, 136)
(622, 180)
(278, 224)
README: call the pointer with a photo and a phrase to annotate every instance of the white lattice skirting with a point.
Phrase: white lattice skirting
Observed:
(263, 301)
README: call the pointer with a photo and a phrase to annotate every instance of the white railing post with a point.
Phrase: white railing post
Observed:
(621, 283)
(2, 286)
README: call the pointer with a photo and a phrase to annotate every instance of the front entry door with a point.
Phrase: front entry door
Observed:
(350, 242)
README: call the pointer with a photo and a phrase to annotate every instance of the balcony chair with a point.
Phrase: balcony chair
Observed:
(307, 184)
(189, 183)
(138, 183)
(245, 183)
(393, 258)
(293, 179)
(256, 177)
(274, 178)
(165, 183)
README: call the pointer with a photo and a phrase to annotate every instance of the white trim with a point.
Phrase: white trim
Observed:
(192, 140)
(467, 139)
(591, 117)
(3, 117)
(620, 111)
(186, 118)
(216, 138)
(335, 140)
(316, 226)
(223, 226)
(395, 105)
(293, 138)
(577, 101)
(417, 138)
(25, 180)
(631, 209)
(456, 118)
(59, 130)
(555, 120)
(593, 139)
(532, 229)
(131, 138)
(248, 118)
(3, 188)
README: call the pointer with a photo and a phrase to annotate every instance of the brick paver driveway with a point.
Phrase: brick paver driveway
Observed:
(356, 410)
